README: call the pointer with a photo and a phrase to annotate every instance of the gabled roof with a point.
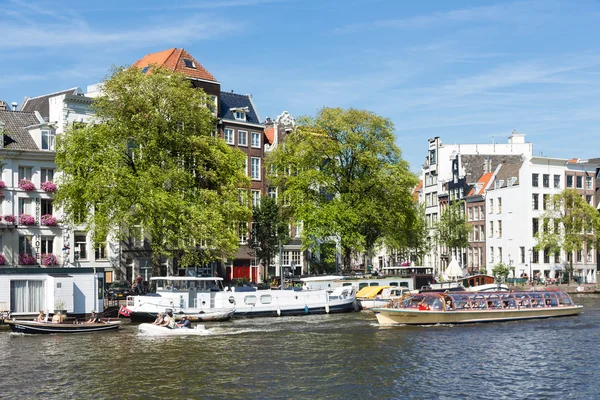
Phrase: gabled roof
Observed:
(229, 100)
(16, 137)
(41, 103)
(508, 171)
(177, 60)
(417, 189)
(270, 134)
(481, 185)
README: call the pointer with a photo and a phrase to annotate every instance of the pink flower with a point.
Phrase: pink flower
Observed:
(26, 184)
(2, 185)
(48, 220)
(27, 259)
(49, 186)
(2, 259)
(49, 259)
(25, 219)
(10, 219)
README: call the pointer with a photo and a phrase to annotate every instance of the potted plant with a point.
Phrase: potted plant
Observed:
(26, 185)
(48, 220)
(26, 219)
(49, 259)
(27, 259)
(49, 186)
(10, 219)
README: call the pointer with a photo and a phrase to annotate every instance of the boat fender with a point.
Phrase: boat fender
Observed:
(306, 309)
(278, 311)
(327, 308)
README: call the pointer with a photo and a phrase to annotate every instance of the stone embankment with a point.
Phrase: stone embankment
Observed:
(588, 288)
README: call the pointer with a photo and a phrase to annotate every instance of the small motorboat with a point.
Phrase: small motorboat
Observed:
(156, 330)
(35, 327)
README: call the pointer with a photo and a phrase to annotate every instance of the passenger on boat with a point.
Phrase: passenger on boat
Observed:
(93, 318)
(168, 319)
(41, 317)
(158, 320)
(184, 323)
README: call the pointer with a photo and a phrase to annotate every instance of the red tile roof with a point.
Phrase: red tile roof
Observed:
(173, 59)
(416, 190)
(270, 134)
(484, 180)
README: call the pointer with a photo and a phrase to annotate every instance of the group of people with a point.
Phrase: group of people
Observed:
(167, 320)
(59, 318)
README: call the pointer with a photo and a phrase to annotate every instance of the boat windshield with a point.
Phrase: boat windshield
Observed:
(172, 285)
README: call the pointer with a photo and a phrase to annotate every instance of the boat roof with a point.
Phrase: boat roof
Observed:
(370, 291)
(322, 278)
(187, 278)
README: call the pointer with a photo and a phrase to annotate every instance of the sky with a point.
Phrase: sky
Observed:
(466, 71)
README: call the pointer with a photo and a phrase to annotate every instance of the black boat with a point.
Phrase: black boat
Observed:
(34, 327)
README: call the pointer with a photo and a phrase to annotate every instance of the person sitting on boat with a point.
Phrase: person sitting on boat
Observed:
(93, 318)
(41, 317)
(158, 320)
(168, 320)
(184, 323)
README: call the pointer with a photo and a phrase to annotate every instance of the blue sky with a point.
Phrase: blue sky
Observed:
(467, 71)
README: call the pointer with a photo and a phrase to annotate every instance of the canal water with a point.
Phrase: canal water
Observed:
(344, 356)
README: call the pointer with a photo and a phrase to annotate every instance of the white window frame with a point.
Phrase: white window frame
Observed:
(255, 169)
(48, 140)
(255, 140)
(25, 172)
(239, 115)
(46, 175)
(243, 138)
(229, 136)
(26, 206)
(255, 198)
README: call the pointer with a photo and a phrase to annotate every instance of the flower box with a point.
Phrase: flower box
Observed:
(27, 259)
(48, 220)
(25, 219)
(49, 187)
(26, 185)
(49, 259)
(10, 219)
(2, 259)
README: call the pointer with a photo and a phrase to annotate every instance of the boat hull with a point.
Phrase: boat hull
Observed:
(393, 316)
(32, 327)
(155, 330)
(193, 316)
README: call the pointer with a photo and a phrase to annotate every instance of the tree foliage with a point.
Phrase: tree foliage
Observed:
(452, 229)
(414, 241)
(343, 176)
(151, 162)
(269, 231)
(569, 224)
(501, 271)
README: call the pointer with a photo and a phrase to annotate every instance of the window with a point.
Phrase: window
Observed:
(491, 233)
(499, 205)
(25, 173)
(242, 138)
(481, 233)
(295, 258)
(499, 229)
(47, 245)
(285, 258)
(255, 140)
(570, 181)
(536, 201)
(588, 182)
(26, 244)
(500, 254)
(229, 136)
(26, 206)
(100, 252)
(27, 296)
(556, 181)
(546, 180)
(579, 255)
(255, 165)
(243, 232)
(80, 250)
(535, 226)
(48, 140)
(491, 254)
(476, 213)
(470, 214)
(46, 175)
(546, 256)
(243, 196)
(580, 182)
(255, 198)
(432, 157)
(46, 206)
(272, 192)
(239, 115)
(589, 199)
(189, 63)
(491, 206)
(522, 254)
(534, 180)
(536, 256)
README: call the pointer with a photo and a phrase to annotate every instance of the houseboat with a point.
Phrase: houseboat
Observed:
(331, 282)
(431, 308)
(196, 295)
(379, 296)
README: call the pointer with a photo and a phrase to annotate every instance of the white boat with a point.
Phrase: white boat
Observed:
(378, 296)
(156, 330)
(216, 315)
(331, 282)
(432, 308)
(194, 296)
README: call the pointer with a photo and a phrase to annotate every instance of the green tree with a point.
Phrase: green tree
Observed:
(569, 224)
(452, 229)
(342, 175)
(501, 271)
(413, 242)
(151, 163)
(269, 231)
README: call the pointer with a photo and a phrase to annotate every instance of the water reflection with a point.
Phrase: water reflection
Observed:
(327, 356)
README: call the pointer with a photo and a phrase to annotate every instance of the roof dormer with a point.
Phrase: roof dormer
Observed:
(239, 113)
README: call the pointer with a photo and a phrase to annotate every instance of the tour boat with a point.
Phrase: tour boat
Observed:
(469, 307)
(378, 296)
(155, 330)
(35, 327)
(193, 296)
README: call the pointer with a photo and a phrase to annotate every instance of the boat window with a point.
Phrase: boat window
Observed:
(404, 284)
(374, 284)
(393, 284)
(362, 285)
(564, 299)
(346, 284)
(266, 299)
(250, 300)
(231, 299)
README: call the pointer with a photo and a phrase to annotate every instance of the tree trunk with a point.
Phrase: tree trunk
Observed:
(347, 259)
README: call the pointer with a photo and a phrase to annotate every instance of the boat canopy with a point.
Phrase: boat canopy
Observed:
(185, 284)
(368, 292)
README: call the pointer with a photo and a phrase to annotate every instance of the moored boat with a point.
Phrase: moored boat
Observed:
(378, 296)
(195, 296)
(431, 308)
(35, 327)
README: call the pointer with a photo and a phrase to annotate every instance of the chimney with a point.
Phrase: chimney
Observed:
(14, 105)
